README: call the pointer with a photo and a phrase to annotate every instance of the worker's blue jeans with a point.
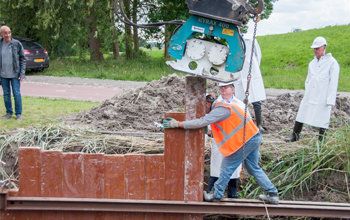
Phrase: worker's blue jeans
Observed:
(251, 157)
(16, 85)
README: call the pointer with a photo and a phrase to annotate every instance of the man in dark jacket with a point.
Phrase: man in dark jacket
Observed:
(12, 69)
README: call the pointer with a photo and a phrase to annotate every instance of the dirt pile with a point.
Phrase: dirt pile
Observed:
(140, 108)
(280, 112)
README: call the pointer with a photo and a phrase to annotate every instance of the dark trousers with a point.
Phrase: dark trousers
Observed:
(232, 186)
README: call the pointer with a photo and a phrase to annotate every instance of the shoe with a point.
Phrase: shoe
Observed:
(298, 126)
(258, 118)
(261, 129)
(232, 187)
(234, 196)
(7, 116)
(209, 197)
(19, 117)
(322, 134)
(271, 198)
(294, 137)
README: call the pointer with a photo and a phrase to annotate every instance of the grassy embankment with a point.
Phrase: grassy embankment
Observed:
(286, 56)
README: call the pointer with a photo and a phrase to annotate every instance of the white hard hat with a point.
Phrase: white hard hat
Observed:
(226, 84)
(319, 42)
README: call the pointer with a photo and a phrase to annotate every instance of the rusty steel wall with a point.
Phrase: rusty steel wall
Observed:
(78, 175)
(175, 175)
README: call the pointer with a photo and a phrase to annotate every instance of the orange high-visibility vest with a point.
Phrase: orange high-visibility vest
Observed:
(228, 134)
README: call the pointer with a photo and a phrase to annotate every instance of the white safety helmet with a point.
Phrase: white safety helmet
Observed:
(319, 42)
(226, 84)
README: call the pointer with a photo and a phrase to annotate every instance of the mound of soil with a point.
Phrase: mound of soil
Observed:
(141, 108)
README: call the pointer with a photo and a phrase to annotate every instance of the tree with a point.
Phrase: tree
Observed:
(135, 29)
(268, 8)
(128, 35)
(115, 44)
(94, 41)
(165, 10)
(70, 27)
(49, 22)
(63, 27)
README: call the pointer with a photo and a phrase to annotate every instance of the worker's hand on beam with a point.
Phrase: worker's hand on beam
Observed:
(170, 123)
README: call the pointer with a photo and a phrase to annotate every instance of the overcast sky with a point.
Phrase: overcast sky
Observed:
(303, 14)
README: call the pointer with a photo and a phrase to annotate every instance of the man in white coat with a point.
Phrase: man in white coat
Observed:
(256, 87)
(320, 91)
(226, 94)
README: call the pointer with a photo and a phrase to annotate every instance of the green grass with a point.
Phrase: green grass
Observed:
(285, 57)
(155, 53)
(43, 111)
(148, 67)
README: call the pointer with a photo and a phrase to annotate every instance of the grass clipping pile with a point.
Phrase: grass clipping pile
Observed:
(140, 109)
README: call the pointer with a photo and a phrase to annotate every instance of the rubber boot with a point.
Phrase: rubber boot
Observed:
(212, 180)
(296, 132)
(257, 110)
(232, 188)
(322, 134)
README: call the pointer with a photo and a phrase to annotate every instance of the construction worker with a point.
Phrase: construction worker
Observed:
(256, 87)
(227, 123)
(227, 95)
(320, 91)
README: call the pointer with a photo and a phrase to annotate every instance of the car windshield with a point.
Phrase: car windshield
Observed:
(30, 45)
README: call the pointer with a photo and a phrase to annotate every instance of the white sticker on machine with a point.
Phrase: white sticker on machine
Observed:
(198, 29)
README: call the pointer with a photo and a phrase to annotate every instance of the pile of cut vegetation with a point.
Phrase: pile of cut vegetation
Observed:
(142, 108)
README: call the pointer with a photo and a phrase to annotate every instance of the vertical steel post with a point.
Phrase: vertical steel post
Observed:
(194, 139)
(194, 142)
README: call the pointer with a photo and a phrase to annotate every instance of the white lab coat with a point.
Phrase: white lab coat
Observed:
(320, 92)
(256, 87)
(216, 156)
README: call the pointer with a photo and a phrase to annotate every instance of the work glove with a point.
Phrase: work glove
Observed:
(170, 123)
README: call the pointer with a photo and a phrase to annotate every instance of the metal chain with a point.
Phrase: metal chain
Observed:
(256, 19)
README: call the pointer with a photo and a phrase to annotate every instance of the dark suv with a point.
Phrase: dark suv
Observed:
(36, 56)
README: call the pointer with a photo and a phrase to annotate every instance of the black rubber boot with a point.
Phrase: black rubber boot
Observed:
(212, 180)
(296, 132)
(258, 119)
(322, 134)
(232, 189)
